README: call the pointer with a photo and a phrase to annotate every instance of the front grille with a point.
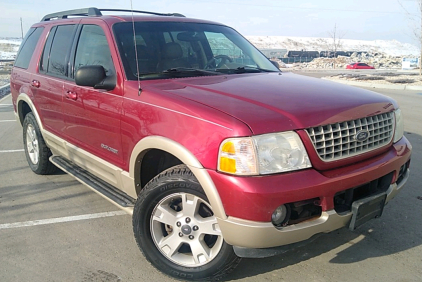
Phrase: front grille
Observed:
(338, 140)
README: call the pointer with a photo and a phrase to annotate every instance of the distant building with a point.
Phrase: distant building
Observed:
(273, 53)
(410, 63)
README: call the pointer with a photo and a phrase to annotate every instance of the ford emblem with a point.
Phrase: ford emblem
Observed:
(362, 135)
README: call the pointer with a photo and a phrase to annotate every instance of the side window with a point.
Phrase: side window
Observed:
(28, 47)
(93, 49)
(59, 52)
(191, 49)
(223, 46)
(170, 37)
(46, 52)
(167, 37)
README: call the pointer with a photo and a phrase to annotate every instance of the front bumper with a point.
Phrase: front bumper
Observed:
(250, 201)
(251, 234)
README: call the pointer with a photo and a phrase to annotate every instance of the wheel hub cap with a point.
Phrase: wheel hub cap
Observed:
(32, 144)
(186, 229)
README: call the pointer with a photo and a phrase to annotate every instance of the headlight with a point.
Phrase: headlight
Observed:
(263, 154)
(280, 152)
(399, 128)
(237, 156)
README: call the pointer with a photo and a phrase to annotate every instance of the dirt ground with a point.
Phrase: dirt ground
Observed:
(4, 79)
(391, 78)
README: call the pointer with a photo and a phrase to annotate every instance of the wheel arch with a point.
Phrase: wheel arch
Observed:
(24, 105)
(182, 154)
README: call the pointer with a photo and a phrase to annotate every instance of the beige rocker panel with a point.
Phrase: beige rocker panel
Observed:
(97, 166)
(127, 181)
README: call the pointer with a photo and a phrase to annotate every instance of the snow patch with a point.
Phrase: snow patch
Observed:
(9, 48)
(7, 55)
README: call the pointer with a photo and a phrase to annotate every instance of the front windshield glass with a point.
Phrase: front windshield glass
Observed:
(180, 49)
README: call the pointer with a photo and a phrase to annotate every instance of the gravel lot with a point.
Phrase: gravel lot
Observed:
(4, 79)
(388, 78)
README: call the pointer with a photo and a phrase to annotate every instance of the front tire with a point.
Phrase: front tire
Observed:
(176, 230)
(36, 151)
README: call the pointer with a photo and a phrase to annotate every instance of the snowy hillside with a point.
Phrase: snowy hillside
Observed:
(10, 40)
(9, 47)
(389, 47)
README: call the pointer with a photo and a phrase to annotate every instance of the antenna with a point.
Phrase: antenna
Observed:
(136, 51)
(21, 29)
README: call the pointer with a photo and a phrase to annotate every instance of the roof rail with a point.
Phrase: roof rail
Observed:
(92, 12)
(77, 12)
(144, 12)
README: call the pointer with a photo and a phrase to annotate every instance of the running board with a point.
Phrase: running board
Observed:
(93, 182)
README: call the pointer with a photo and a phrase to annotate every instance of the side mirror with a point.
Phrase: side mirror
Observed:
(95, 76)
(275, 64)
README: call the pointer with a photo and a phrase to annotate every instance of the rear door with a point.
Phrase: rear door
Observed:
(92, 116)
(21, 75)
(52, 74)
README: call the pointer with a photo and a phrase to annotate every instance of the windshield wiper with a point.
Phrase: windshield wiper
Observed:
(184, 72)
(247, 69)
(180, 70)
(243, 69)
(177, 72)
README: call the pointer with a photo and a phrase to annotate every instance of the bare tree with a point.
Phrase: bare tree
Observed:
(335, 43)
(416, 25)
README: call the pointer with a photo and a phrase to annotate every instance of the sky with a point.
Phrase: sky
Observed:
(354, 19)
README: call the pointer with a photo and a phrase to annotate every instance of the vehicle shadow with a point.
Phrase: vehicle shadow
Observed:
(396, 231)
(19, 199)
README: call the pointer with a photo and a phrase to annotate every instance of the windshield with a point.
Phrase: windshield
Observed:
(176, 49)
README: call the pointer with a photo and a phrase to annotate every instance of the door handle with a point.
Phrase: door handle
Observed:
(35, 83)
(71, 95)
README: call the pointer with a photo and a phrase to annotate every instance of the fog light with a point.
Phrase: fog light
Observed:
(281, 215)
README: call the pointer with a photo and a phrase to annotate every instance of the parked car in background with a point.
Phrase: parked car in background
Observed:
(362, 66)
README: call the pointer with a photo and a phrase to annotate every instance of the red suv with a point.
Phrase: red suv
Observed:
(185, 124)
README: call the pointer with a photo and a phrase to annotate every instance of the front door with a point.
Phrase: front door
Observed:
(92, 117)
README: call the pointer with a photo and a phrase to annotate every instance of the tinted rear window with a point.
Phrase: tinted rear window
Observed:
(46, 53)
(27, 48)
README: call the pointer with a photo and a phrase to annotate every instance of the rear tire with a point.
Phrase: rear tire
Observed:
(36, 151)
(176, 230)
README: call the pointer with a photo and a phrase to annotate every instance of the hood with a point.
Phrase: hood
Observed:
(274, 102)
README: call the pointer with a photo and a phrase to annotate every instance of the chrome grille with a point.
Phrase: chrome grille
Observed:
(338, 140)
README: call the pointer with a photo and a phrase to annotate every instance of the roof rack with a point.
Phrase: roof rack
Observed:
(95, 12)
